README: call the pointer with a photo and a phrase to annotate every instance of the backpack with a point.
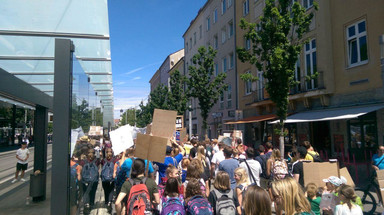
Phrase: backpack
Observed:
(202, 186)
(173, 206)
(316, 157)
(279, 170)
(139, 202)
(198, 205)
(224, 203)
(73, 182)
(264, 166)
(90, 172)
(107, 171)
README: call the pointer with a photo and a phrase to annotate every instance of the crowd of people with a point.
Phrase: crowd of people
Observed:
(205, 177)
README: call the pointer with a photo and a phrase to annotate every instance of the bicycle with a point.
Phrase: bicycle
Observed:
(368, 200)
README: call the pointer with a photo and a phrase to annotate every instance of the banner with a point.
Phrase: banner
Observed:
(151, 148)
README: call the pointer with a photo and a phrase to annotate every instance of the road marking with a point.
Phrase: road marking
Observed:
(28, 170)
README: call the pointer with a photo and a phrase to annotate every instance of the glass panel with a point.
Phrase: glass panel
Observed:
(313, 42)
(363, 48)
(307, 47)
(361, 27)
(351, 31)
(40, 66)
(370, 135)
(36, 78)
(355, 131)
(308, 65)
(85, 16)
(314, 66)
(101, 78)
(352, 51)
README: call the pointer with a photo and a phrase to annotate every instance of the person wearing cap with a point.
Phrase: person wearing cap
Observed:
(331, 184)
(22, 156)
(169, 160)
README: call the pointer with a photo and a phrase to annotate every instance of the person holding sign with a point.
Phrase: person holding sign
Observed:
(169, 160)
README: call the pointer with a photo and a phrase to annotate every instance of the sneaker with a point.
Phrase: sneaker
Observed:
(23, 180)
(14, 180)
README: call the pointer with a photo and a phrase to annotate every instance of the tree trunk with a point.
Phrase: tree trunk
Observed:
(281, 138)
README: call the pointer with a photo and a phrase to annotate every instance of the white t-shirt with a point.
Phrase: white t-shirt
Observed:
(216, 159)
(255, 167)
(216, 148)
(344, 210)
(22, 154)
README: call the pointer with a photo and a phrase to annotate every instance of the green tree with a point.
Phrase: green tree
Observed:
(129, 117)
(81, 116)
(158, 98)
(177, 97)
(276, 48)
(143, 115)
(202, 83)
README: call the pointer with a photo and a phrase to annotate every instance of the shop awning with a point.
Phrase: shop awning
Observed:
(331, 114)
(253, 119)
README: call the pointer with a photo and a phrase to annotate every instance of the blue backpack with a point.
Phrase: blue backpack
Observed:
(173, 206)
(199, 205)
(90, 172)
(107, 171)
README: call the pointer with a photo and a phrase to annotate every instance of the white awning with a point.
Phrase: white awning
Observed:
(331, 114)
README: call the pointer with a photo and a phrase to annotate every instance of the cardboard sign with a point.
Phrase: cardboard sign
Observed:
(163, 124)
(380, 178)
(344, 172)
(179, 122)
(149, 128)
(315, 172)
(95, 131)
(151, 147)
(183, 135)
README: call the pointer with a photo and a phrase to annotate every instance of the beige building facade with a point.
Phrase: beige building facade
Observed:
(214, 26)
(344, 49)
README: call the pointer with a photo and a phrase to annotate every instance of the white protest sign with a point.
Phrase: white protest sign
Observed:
(121, 138)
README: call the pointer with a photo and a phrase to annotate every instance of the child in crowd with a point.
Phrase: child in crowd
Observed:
(107, 179)
(242, 183)
(257, 201)
(313, 198)
(22, 156)
(195, 203)
(89, 179)
(194, 172)
(172, 201)
(222, 197)
(347, 196)
(184, 165)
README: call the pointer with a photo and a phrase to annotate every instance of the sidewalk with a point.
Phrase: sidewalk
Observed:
(14, 201)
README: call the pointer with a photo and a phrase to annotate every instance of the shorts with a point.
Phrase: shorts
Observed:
(20, 166)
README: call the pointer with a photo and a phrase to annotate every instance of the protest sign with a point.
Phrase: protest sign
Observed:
(179, 122)
(344, 172)
(315, 172)
(149, 129)
(151, 147)
(95, 131)
(164, 123)
(183, 135)
(380, 178)
(121, 138)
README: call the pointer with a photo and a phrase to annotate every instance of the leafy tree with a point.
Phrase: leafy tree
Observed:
(177, 97)
(158, 98)
(202, 84)
(81, 116)
(129, 117)
(275, 50)
(143, 115)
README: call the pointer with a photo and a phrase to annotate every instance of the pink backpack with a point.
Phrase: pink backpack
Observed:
(279, 170)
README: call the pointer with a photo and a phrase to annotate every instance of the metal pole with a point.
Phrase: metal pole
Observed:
(190, 121)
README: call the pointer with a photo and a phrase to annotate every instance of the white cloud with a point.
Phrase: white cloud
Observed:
(141, 68)
(120, 83)
(136, 78)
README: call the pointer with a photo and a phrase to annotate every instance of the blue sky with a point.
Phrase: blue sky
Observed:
(142, 34)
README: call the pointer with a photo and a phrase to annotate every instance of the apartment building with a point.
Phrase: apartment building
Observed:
(161, 76)
(340, 111)
(214, 26)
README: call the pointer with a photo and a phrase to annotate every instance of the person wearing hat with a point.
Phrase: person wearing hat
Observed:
(169, 160)
(22, 156)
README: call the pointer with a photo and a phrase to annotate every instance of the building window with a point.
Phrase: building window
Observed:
(224, 64)
(229, 3)
(247, 44)
(223, 34)
(216, 69)
(297, 87)
(231, 60)
(229, 96)
(230, 27)
(190, 42)
(194, 38)
(357, 44)
(307, 4)
(223, 6)
(208, 23)
(260, 85)
(222, 100)
(248, 86)
(310, 63)
(215, 43)
(245, 7)
(201, 31)
(215, 16)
